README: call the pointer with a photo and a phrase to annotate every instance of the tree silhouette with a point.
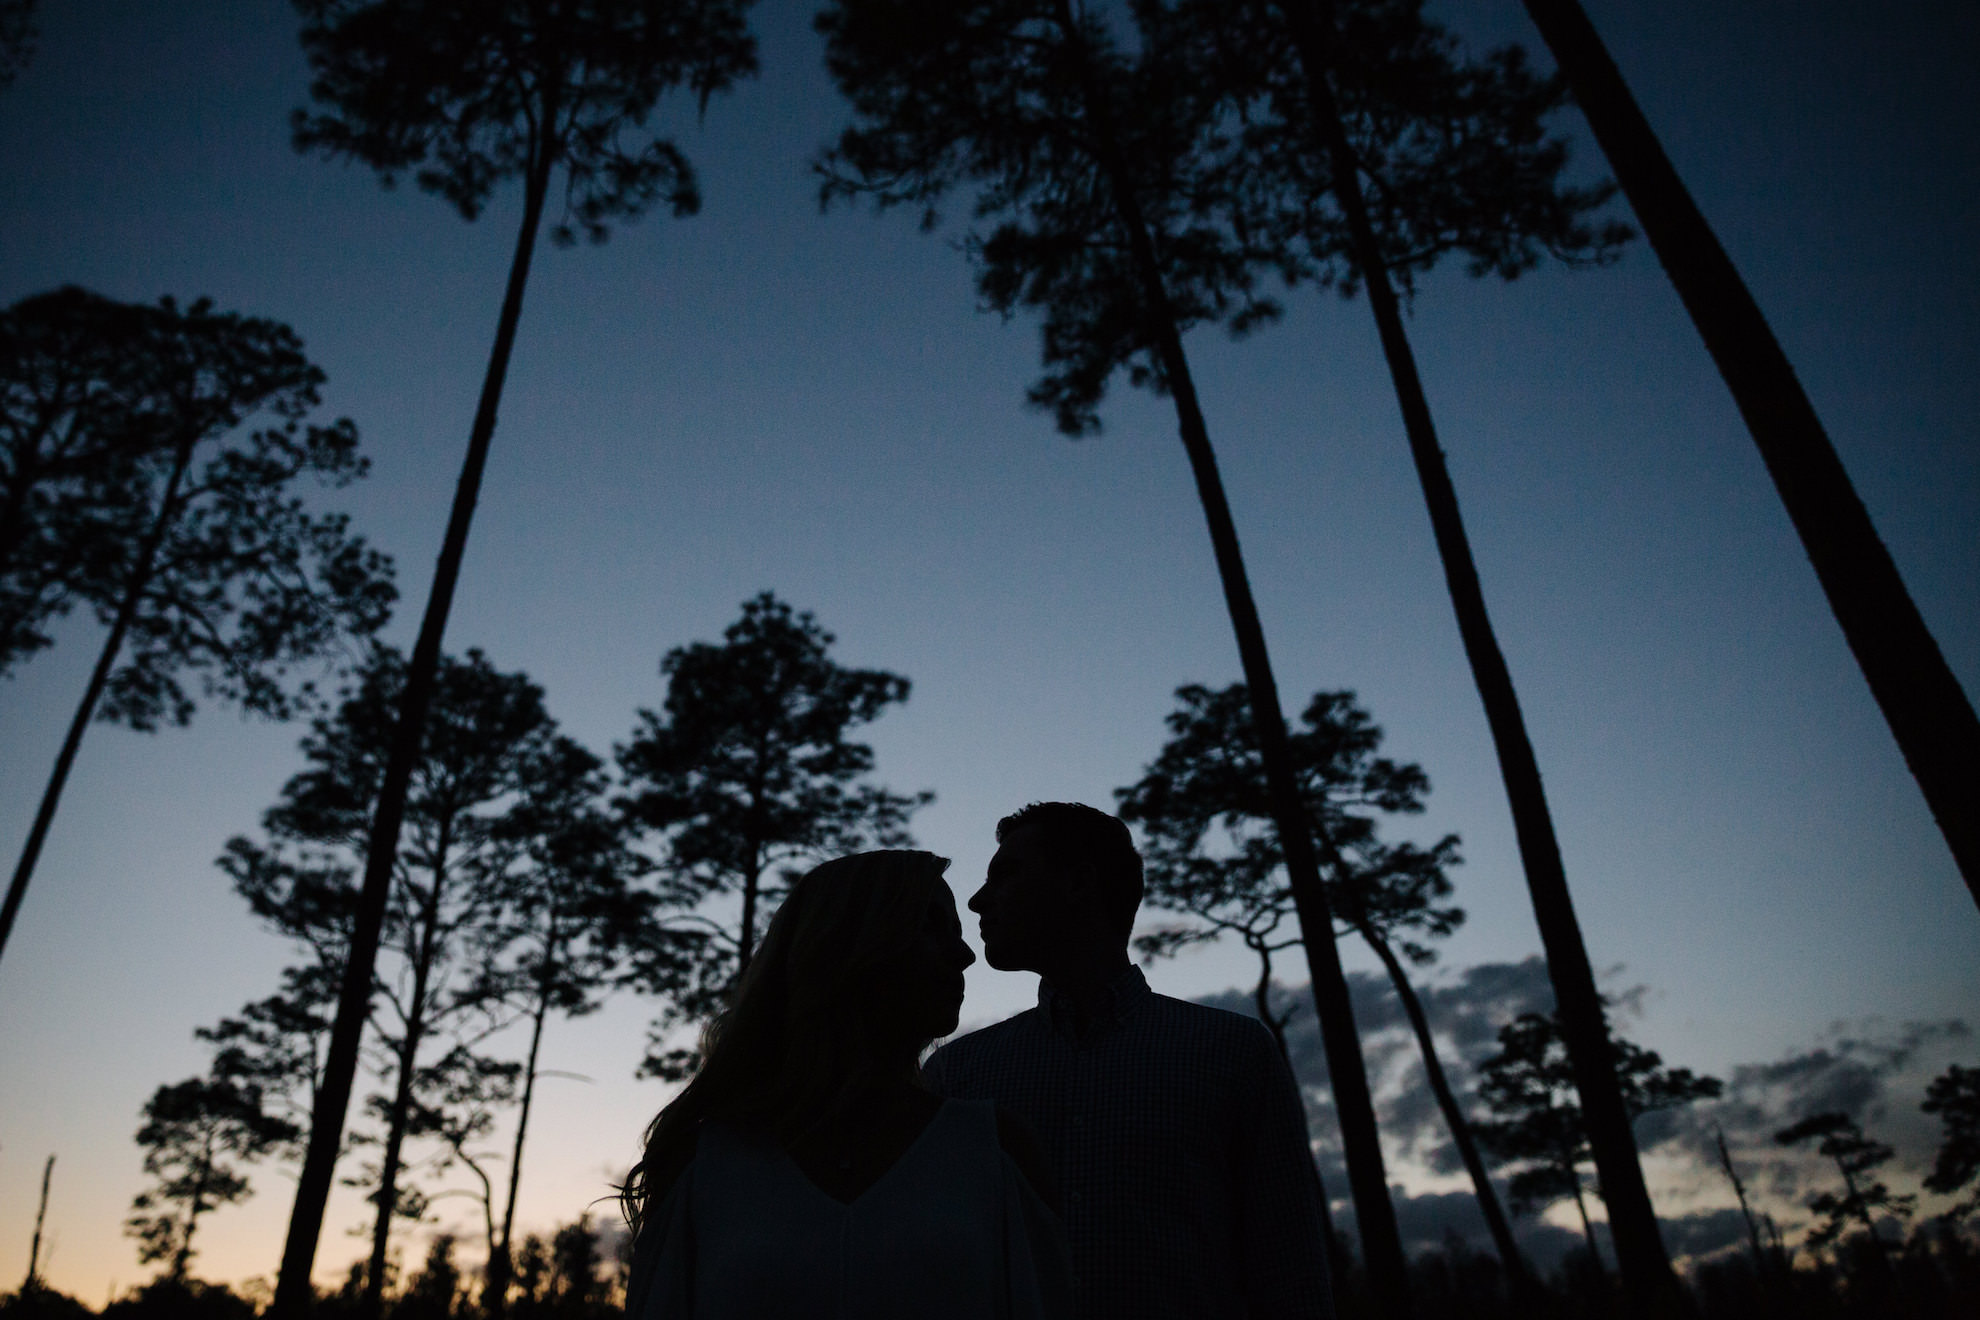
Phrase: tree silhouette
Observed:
(1532, 1087)
(1205, 815)
(457, 1100)
(562, 1279)
(1096, 170)
(1761, 1261)
(73, 435)
(1387, 149)
(276, 1044)
(447, 924)
(194, 1132)
(17, 38)
(32, 1283)
(466, 95)
(436, 1289)
(1930, 716)
(1954, 1096)
(576, 926)
(744, 777)
(206, 562)
(1837, 1136)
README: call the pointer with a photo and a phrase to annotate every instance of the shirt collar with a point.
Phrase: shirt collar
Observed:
(1125, 992)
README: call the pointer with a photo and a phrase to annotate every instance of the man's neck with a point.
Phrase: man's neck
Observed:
(1086, 982)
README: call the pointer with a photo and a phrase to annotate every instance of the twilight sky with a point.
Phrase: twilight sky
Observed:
(764, 396)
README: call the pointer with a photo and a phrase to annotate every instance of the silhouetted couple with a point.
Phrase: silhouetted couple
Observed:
(1111, 1152)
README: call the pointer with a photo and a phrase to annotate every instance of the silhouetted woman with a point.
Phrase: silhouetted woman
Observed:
(806, 1170)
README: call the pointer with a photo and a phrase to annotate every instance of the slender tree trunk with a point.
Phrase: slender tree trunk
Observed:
(1863, 1213)
(195, 1207)
(1381, 1241)
(746, 938)
(496, 1296)
(142, 569)
(326, 1130)
(1746, 1211)
(1587, 1227)
(1645, 1266)
(402, 1091)
(1922, 701)
(1517, 1274)
(40, 1215)
(373, 1301)
(487, 1214)
(1262, 996)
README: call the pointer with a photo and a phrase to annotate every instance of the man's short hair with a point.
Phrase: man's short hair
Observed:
(1088, 838)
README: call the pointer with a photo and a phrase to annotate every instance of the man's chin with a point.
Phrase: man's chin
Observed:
(1005, 960)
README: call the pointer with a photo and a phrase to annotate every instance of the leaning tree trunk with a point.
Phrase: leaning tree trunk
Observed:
(1261, 996)
(1922, 701)
(142, 569)
(373, 1301)
(1745, 1210)
(1347, 1072)
(40, 1216)
(495, 1296)
(1588, 1228)
(400, 1113)
(195, 1207)
(1276, 1023)
(326, 1129)
(1517, 1274)
(1868, 1220)
(1645, 1266)
(752, 890)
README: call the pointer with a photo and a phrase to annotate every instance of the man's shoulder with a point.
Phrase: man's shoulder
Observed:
(995, 1034)
(1219, 1029)
(1207, 1018)
(985, 1042)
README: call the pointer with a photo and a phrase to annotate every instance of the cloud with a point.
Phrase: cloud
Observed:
(1431, 1221)
(1874, 1071)
(1705, 1233)
(1465, 1014)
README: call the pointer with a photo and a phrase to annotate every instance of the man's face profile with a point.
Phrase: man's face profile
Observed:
(1022, 905)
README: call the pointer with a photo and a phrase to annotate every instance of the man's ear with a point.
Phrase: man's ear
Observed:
(1083, 878)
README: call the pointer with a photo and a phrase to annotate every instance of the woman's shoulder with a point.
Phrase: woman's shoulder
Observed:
(679, 1154)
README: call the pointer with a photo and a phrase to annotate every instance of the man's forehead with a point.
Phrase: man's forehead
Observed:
(1018, 848)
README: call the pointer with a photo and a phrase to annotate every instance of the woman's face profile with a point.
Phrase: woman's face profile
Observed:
(921, 991)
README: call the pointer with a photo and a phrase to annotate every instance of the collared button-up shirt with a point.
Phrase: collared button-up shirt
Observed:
(1180, 1145)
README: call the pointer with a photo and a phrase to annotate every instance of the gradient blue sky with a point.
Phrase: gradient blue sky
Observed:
(767, 397)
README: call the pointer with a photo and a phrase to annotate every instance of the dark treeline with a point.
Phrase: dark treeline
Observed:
(1868, 1252)
(455, 877)
(534, 883)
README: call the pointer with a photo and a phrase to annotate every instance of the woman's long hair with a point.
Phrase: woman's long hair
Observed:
(795, 1048)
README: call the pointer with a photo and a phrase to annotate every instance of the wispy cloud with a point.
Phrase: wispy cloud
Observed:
(1873, 1070)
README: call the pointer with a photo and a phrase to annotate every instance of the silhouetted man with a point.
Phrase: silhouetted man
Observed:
(1176, 1131)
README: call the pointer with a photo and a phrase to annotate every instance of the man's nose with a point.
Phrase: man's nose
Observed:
(976, 900)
